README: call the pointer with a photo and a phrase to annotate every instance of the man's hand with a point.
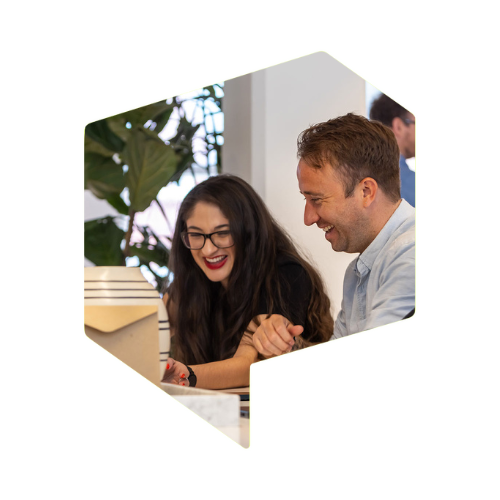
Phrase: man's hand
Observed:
(275, 336)
(176, 373)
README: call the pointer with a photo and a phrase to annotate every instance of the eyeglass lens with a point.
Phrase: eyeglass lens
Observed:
(196, 241)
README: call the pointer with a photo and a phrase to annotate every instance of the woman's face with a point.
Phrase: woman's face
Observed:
(216, 263)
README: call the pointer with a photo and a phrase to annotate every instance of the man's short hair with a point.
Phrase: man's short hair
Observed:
(356, 148)
(384, 110)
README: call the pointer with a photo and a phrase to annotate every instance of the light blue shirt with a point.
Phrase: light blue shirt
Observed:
(379, 285)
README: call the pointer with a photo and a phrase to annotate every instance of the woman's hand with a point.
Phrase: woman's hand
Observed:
(275, 336)
(176, 373)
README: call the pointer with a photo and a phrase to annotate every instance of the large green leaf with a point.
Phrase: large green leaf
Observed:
(161, 119)
(99, 131)
(185, 162)
(92, 146)
(102, 242)
(158, 112)
(117, 125)
(117, 203)
(103, 176)
(185, 133)
(151, 163)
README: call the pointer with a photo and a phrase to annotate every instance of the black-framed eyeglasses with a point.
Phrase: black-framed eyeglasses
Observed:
(408, 121)
(196, 241)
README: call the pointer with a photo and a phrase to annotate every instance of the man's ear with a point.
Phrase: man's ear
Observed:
(369, 188)
(397, 126)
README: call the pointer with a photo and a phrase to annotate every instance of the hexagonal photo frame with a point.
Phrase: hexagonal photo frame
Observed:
(139, 167)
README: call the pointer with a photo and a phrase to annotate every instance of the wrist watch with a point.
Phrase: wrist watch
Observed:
(192, 377)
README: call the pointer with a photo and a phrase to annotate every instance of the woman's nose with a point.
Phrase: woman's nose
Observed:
(209, 248)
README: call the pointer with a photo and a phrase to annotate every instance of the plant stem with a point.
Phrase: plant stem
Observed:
(126, 251)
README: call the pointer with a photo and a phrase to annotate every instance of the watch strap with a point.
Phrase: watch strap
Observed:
(192, 377)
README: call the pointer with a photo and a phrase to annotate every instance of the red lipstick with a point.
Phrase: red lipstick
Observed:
(215, 265)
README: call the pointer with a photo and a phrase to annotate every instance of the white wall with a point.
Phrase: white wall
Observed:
(264, 112)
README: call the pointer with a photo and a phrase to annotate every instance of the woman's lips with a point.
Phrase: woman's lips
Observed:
(217, 264)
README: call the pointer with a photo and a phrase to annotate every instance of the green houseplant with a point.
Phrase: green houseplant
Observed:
(124, 154)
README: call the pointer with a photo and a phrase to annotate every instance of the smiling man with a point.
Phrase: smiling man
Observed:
(349, 175)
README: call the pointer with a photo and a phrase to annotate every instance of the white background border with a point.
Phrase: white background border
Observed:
(407, 411)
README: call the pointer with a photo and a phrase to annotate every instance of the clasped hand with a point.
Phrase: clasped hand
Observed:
(275, 336)
(176, 373)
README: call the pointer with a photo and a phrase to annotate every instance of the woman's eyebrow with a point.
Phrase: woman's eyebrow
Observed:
(201, 230)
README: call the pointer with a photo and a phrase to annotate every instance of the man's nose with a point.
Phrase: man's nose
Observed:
(310, 215)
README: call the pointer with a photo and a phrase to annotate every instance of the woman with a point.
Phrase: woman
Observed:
(233, 266)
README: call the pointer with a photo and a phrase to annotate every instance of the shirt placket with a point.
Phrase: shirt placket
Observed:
(362, 275)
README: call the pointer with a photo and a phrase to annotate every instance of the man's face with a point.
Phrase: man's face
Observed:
(406, 140)
(343, 219)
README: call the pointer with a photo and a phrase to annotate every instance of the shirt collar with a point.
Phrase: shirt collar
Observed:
(365, 261)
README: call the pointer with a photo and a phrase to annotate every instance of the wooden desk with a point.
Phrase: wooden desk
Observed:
(238, 390)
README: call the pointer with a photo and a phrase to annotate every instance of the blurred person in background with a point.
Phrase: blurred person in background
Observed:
(402, 123)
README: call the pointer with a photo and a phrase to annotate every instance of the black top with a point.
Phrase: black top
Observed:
(296, 289)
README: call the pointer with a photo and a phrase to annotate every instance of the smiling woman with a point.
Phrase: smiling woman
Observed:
(213, 252)
(234, 266)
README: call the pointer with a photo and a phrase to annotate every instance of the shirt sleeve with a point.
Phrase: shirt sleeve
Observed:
(395, 296)
(340, 327)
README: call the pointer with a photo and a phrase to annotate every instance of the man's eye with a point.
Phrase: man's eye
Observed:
(313, 200)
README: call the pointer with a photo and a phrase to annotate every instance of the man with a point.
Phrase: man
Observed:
(402, 123)
(348, 172)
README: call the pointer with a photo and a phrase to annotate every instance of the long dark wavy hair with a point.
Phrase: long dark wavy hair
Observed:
(209, 320)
